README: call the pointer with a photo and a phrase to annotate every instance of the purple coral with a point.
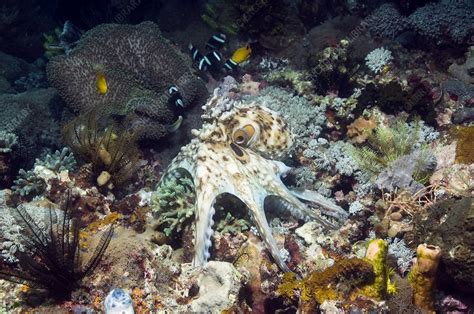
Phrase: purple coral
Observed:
(139, 65)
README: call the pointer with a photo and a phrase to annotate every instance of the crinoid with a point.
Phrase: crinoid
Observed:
(97, 139)
(51, 259)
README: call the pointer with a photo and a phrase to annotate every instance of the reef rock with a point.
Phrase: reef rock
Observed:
(450, 226)
(28, 115)
(464, 72)
(219, 285)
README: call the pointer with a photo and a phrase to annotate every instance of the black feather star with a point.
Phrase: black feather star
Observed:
(51, 259)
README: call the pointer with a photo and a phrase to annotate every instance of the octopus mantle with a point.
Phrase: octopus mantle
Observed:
(238, 153)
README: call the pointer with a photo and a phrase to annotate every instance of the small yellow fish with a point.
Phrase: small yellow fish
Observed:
(101, 83)
(385, 69)
(242, 54)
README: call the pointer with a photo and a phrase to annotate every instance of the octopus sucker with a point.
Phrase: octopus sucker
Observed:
(236, 152)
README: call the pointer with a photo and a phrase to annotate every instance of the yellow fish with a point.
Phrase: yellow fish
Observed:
(385, 69)
(101, 83)
(242, 54)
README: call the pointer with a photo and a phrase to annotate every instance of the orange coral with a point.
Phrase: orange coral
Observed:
(95, 226)
(361, 128)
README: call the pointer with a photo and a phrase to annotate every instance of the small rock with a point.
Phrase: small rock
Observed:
(396, 216)
(463, 115)
(309, 232)
(394, 230)
(219, 285)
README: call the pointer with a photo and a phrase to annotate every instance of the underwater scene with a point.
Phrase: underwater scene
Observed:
(253, 156)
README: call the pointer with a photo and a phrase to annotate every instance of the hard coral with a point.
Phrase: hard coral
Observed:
(446, 19)
(139, 66)
(386, 21)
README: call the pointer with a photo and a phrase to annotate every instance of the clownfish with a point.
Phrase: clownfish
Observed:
(175, 96)
(203, 62)
(216, 42)
(240, 55)
(101, 83)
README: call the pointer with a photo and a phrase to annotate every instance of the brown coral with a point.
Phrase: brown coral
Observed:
(139, 66)
(464, 149)
(334, 283)
(360, 129)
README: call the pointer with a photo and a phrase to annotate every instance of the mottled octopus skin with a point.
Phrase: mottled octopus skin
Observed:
(248, 171)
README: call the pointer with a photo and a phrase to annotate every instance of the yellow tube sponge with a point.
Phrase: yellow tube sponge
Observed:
(423, 274)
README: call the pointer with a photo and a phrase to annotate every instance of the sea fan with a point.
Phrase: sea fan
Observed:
(51, 260)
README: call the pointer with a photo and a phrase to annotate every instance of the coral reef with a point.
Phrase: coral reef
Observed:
(446, 18)
(137, 75)
(304, 183)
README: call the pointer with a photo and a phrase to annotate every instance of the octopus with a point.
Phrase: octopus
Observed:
(238, 152)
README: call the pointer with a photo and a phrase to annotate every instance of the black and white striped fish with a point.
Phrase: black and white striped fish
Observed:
(216, 42)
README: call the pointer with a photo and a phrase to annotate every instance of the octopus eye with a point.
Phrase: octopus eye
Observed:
(243, 135)
(236, 150)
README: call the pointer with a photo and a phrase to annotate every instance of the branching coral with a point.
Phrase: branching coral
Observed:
(59, 161)
(7, 142)
(28, 184)
(173, 204)
(377, 59)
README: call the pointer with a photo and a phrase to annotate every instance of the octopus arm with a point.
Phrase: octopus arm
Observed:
(207, 190)
(327, 207)
(256, 207)
(295, 206)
